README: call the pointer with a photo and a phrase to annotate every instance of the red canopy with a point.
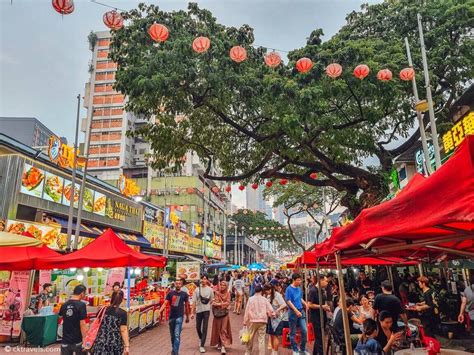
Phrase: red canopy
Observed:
(108, 250)
(430, 216)
(23, 258)
(309, 258)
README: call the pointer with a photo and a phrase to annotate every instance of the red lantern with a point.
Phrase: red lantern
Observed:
(313, 176)
(190, 190)
(283, 181)
(304, 65)
(269, 184)
(238, 54)
(228, 188)
(361, 71)
(201, 44)
(272, 59)
(384, 75)
(215, 189)
(254, 186)
(158, 33)
(113, 20)
(241, 187)
(407, 74)
(64, 7)
(333, 70)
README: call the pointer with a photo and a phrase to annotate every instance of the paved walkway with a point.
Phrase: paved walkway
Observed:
(157, 341)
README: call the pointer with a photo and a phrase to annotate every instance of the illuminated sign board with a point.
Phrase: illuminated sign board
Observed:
(455, 135)
(62, 154)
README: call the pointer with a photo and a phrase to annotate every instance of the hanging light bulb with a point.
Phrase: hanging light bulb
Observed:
(138, 271)
(80, 277)
(100, 269)
(73, 269)
(86, 269)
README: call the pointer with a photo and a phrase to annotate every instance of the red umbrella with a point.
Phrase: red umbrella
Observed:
(108, 250)
(24, 258)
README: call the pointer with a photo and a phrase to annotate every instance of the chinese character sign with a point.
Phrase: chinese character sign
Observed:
(455, 135)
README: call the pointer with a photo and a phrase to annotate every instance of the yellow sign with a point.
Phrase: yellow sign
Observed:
(127, 186)
(455, 135)
(62, 154)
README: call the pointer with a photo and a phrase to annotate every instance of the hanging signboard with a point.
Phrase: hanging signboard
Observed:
(13, 294)
(188, 270)
(63, 155)
(458, 132)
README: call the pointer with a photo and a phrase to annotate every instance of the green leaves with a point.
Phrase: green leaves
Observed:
(239, 114)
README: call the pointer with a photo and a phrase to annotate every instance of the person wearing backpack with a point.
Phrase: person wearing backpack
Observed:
(201, 308)
(112, 337)
(74, 313)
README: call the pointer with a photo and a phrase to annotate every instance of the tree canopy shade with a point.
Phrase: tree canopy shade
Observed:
(260, 123)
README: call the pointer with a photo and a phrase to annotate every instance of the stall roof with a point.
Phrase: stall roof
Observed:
(433, 216)
(16, 240)
(24, 257)
(108, 250)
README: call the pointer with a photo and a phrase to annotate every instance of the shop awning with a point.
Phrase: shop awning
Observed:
(309, 259)
(430, 218)
(108, 250)
(87, 230)
(24, 257)
(16, 240)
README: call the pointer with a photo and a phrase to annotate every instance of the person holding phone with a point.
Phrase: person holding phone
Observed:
(386, 337)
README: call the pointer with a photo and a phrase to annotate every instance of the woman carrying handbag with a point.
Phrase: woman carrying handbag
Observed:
(112, 338)
(221, 333)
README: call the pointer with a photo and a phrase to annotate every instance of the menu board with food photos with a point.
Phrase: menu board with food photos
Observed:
(188, 270)
(88, 200)
(32, 181)
(99, 203)
(49, 234)
(69, 193)
(53, 188)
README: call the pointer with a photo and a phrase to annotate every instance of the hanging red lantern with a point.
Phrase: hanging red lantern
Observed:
(190, 190)
(113, 20)
(272, 59)
(228, 188)
(269, 184)
(201, 44)
(407, 74)
(283, 181)
(254, 186)
(384, 75)
(361, 71)
(215, 189)
(313, 176)
(238, 54)
(64, 7)
(304, 65)
(158, 32)
(334, 70)
(241, 187)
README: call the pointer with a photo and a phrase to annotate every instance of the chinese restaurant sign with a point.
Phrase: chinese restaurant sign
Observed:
(62, 154)
(127, 186)
(461, 129)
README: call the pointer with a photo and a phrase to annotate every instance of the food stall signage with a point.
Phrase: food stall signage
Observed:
(120, 211)
(127, 186)
(458, 132)
(62, 154)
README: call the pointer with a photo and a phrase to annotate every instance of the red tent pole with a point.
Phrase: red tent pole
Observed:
(342, 298)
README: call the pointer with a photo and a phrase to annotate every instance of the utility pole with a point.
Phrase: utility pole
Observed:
(72, 192)
(225, 237)
(235, 245)
(418, 114)
(166, 231)
(434, 133)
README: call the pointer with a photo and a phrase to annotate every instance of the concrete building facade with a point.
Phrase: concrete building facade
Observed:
(27, 130)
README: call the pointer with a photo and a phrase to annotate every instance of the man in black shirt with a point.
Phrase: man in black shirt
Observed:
(314, 304)
(74, 313)
(339, 322)
(179, 306)
(386, 301)
(363, 283)
(428, 308)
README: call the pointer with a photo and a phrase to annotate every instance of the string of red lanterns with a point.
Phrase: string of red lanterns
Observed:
(64, 7)
(113, 20)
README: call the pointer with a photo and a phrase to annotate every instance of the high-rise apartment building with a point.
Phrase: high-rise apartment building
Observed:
(255, 201)
(110, 150)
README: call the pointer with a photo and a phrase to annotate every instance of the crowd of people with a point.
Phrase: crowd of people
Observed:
(377, 311)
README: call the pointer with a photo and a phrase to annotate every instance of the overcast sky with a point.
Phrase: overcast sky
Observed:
(44, 56)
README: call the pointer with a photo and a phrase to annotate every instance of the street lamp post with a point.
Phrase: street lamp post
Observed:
(434, 133)
(73, 179)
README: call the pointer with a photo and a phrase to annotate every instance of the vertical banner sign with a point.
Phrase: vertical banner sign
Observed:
(116, 274)
(45, 277)
(14, 295)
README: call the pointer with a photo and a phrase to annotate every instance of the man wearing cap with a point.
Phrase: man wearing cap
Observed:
(386, 301)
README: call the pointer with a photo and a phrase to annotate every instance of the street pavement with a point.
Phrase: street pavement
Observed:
(157, 341)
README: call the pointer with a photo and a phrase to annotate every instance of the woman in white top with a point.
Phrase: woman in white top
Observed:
(239, 293)
(275, 325)
(364, 311)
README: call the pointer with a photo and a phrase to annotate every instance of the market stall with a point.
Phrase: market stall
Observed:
(430, 218)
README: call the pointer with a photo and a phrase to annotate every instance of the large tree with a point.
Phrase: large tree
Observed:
(260, 123)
